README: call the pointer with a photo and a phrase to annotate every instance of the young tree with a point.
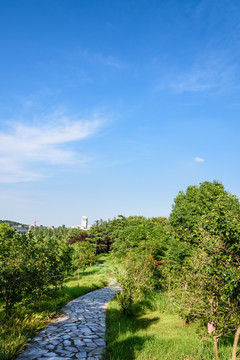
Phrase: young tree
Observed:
(84, 254)
(135, 279)
(209, 287)
(208, 219)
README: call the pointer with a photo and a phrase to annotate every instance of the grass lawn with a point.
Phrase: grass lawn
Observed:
(26, 321)
(156, 332)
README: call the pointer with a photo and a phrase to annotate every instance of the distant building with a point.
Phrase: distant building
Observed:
(22, 229)
(84, 224)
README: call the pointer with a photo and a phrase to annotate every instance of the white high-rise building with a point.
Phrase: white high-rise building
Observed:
(84, 222)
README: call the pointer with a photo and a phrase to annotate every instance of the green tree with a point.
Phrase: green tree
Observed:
(29, 265)
(209, 287)
(102, 233)
(207, 206)
(150, 235)
(135, 279)
(84, 254)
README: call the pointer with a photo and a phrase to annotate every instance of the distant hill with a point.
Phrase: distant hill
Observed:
(12, 223)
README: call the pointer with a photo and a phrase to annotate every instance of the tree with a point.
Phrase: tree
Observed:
(149, 235)
(135, 279)
(209, 287)
(78, 237)
(84, 254)
(29, 265)
(102, 233)
(207, 206)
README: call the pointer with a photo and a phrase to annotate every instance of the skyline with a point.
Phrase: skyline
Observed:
(113, 107)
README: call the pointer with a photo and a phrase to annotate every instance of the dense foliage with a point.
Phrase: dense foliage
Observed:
(29, 265)
(207, 206)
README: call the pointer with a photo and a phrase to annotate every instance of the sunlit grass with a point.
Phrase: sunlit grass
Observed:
(156, 333)
(26, 320)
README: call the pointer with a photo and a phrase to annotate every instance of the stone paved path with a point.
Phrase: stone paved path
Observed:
(78, 334)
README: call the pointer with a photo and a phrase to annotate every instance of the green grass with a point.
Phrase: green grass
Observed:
(156, 332)
(26, 321)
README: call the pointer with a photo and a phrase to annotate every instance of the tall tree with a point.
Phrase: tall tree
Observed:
(207, 206)
(207, 218)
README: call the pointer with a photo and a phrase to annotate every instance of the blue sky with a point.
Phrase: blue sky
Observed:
(113, 107)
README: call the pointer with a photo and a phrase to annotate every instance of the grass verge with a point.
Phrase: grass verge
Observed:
(26, 321)
(155, 332)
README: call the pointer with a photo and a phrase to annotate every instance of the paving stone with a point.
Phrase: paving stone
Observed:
(59, 347)
(65, 352)
(86, 340)
(54, 342)
(91, 346)
(50, 354)
(81, 355)
(98, 351)
(78, 343)
(91, 337)
(100, 342)
(71, 349)
(66, 342)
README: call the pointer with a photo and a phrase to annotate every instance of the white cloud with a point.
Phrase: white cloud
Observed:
(198, 159)
(25, 147)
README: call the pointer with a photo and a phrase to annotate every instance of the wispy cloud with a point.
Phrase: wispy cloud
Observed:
(25, 147)
(202, 79)
(213, 74)
(110, 61)
(199, 160)
(101, 58)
